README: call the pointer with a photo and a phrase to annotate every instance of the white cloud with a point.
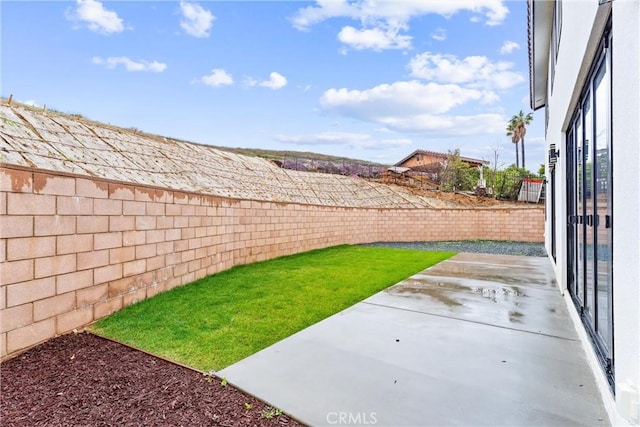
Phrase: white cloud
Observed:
(427, 107)
(129, 64)
(389, 143)
(398, 98)
(355, 140)
(218, 77)
(440, 34)
(475, 71)
(382, 22)
(489, 97)
(508, 47)
(478, 124)
(250, 81)
(374, 38)
(417, 107)
(276, 81)
(96, 17)
(395, 13)
(196, 20)
(325, 9)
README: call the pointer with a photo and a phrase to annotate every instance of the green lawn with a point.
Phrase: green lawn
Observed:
(223, 318)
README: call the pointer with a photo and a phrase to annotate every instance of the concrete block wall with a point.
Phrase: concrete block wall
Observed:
(75, 249)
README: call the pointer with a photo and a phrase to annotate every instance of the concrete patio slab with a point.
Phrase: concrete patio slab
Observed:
(475, 340)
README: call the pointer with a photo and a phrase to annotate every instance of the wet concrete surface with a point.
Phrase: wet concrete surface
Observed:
(508, 291)
(475, 340)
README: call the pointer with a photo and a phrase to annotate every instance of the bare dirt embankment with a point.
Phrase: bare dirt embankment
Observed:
(443, 199)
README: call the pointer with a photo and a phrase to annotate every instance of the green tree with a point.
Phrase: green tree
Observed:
(508, 181)
(517, 129)
(458, 175)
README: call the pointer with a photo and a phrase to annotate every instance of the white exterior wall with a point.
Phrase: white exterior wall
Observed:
(569, 77)
(575, 57)
(626, 204)
(582, 27)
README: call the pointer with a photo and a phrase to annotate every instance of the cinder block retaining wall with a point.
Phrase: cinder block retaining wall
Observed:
(75, 249)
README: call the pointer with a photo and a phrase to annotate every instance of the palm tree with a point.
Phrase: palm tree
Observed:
(514, 139)
(517, 129)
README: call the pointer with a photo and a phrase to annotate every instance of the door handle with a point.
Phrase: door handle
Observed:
(607, 221)
(593, 220)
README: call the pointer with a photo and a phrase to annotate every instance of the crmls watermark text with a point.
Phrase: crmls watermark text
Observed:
(352, 418)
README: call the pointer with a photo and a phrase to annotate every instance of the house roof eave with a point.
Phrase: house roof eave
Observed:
(540, 24)
(408, 157)
(443, 155)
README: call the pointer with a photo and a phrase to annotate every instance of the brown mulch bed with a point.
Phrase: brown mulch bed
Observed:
(84, 380)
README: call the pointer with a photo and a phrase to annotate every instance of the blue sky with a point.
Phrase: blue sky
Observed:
(366, 79)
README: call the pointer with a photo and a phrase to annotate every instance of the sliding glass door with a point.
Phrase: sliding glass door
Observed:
(589, 207)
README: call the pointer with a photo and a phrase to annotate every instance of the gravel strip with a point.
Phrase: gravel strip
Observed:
(476, 246)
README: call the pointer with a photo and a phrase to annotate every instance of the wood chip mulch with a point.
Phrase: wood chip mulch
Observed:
(84, 380)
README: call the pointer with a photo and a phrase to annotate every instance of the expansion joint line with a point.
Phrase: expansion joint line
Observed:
(471, 321)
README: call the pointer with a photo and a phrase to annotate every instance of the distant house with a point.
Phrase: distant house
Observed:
(427, 161)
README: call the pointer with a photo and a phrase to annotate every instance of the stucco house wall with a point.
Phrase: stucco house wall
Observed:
(583, 25)
(422, 160)
(426, 158)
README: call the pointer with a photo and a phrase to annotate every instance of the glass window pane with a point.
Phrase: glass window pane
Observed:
(602, 204)
(588, 208)
(580, 211)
